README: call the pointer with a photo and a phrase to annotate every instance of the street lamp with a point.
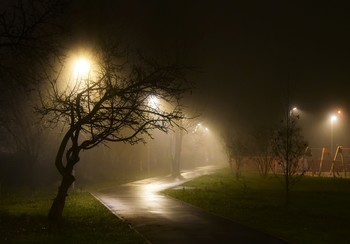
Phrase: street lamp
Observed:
(333, 118)
(153, 102)
(81, 68)
(293, 111)
(81, 71)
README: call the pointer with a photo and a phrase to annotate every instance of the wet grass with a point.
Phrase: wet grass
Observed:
(23, 220)
(319, 210)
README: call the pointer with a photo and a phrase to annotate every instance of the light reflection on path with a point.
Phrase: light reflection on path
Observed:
(165, 220)
(143, 197)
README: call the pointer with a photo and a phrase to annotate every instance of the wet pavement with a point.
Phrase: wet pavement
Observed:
(162, 219)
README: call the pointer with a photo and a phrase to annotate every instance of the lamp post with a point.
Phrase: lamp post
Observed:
(81, 70)
(153, 103)
(333, 118)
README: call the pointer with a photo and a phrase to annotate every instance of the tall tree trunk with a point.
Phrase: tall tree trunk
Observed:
(177, 153)
(56, 210)
(287, 186)
(238, 168)
(72, 157)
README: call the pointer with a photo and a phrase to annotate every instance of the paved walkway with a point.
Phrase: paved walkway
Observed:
(164, 220)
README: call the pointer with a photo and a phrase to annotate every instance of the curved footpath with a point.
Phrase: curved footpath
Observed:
(164, 220)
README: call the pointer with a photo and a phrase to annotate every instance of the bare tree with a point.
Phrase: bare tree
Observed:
(289, 146)
(25, 22)
(236, 150)
(110, 105)
(186, 126)
(24, 133)
(29, 34)
(263, 155)
(176, 154)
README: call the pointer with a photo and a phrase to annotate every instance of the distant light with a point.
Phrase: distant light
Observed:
(339, 111)
(333, 118)
(81, 67)
(206, 129)
(153, 101)
(294, 109)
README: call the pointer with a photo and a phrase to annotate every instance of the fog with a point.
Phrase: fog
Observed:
(120, 161)
(114, 161)
(243, 59)
(319, 131)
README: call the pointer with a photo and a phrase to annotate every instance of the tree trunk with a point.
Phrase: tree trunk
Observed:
(177, 154)
(56, 210)
(176, 167)
(287, 186)
(72, 157)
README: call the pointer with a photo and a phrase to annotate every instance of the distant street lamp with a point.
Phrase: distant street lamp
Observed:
(293, 111)
(153, 102)
(202, 135)
(333, 118)
(200, 129)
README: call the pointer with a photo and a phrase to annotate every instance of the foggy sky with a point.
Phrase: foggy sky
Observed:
(248, 52)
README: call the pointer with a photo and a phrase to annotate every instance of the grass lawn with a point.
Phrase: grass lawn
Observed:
(23, 220)
(319, 209)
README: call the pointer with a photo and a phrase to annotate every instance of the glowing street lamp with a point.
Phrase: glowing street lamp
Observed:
(333, 118)
(292, 111)
(153, 101)
(81, 68)
(200, 128)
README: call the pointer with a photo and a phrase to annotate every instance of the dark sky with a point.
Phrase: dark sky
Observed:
(248, 51)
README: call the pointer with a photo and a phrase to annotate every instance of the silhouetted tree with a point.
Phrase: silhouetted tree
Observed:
(29, 34)
(236, 150)
(176, 155)
(187, 126)
(262, 150)
(24, 133)
(111, 104)
(289, 146)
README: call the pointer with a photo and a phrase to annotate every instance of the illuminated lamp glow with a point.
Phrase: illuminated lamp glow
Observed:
(81, 67)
